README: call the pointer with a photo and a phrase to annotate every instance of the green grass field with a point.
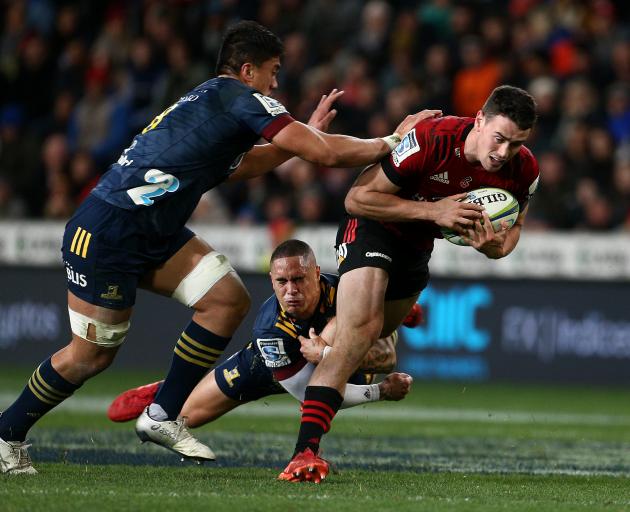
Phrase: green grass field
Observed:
(447, 447)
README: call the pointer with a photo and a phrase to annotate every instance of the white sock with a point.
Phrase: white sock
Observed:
(157, 413)
(360, 394)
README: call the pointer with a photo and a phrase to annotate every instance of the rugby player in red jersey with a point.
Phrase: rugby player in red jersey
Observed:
(395, 211)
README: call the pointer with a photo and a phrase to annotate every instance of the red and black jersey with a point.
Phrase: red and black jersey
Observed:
(429, 164)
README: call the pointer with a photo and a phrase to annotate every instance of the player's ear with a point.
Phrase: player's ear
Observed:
(479, 119)
(247, 72)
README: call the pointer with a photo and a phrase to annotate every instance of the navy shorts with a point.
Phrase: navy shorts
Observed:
(106, 252)
(366, 243)
(244, 377)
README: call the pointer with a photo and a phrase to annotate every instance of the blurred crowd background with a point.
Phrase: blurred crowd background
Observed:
(79, 79)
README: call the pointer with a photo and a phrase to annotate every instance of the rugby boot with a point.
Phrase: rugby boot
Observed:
(130, 404)
(172, 435)
(415, 317)
(14, 458)
(305, 467)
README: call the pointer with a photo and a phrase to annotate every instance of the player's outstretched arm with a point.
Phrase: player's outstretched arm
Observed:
(265, 157)
(342, 150)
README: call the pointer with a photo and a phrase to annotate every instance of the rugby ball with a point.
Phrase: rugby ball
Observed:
(499, 204)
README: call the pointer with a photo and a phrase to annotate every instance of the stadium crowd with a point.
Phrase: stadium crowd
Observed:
(79, 78)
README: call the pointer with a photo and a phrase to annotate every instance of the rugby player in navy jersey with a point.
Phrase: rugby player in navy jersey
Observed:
(130, 231)
(276, 361)
(395, 211)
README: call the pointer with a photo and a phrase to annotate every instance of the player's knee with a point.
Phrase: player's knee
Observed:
(99, 333)
(99, 362)
(196, 285)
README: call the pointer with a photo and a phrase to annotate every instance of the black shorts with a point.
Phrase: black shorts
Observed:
(244, 377)
(366, 243)
(106, 252)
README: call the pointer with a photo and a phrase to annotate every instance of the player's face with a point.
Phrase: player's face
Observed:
(499, 139)
(296, 284)
(265, 76)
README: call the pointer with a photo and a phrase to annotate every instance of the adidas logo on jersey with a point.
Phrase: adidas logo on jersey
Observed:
(441, 177)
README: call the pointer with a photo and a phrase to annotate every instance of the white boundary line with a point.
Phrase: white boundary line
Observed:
(394, 412)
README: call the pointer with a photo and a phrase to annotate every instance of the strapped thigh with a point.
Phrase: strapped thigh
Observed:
(212, 267)
(106, 335)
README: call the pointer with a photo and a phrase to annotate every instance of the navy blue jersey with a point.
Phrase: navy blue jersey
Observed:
(191, 147)
(276, 333)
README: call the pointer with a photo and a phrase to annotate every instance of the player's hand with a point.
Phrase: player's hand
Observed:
(312, 346)
(395, 386)
(322, 116)
(452, 213)
(482, 237)
(412, 120)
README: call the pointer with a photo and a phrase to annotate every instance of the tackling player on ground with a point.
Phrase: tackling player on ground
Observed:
(396, 209)
(130, 232)
(275, 361)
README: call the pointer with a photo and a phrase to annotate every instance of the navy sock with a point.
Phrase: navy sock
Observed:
(196, 351)
(320, 405)
(45, 389)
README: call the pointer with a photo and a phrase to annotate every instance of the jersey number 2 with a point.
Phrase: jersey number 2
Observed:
(160, 183)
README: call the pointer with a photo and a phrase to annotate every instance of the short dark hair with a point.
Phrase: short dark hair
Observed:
(291, 248)
(513, 103)
(247, 41)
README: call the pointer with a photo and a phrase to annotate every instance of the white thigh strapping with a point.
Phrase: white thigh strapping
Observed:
(212, 267)
(107, 335)
(296, 384)
(355, 394)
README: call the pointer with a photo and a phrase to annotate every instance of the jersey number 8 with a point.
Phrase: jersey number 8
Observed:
(160, 184)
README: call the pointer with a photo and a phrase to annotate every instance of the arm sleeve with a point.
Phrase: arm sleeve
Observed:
(261, 114)
(408, 159)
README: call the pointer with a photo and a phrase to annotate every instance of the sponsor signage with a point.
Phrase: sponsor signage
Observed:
(475, 330)
(520, 330)
(538, 255)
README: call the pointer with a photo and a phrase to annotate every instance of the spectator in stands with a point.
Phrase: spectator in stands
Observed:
(19, 153)
(100, 120)
(392, 57)
(478, 75)
(11, 206)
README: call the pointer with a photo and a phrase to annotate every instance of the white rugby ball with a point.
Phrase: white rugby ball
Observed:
(500, 205)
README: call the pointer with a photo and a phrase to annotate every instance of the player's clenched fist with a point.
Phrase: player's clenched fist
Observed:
(395, 386)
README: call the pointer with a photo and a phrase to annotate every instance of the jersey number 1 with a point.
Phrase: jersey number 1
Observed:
(160, 184)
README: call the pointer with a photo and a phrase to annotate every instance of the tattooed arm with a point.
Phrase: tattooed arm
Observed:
(381, 358)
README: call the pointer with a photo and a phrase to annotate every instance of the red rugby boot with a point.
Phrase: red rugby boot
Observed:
(305, 467)
(130, 404)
